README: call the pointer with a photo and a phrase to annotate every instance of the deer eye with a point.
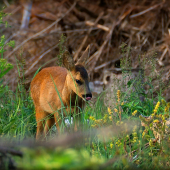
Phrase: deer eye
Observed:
(79, 82)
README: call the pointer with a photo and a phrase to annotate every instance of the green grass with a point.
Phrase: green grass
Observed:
(17, 114)
(134, 148)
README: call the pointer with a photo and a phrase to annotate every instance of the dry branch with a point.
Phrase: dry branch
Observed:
(41, 32)
(26, 14)
(86, 37)
(147, 10)
(6, 3)
(89, 23)
(108, 37)
(39, 58)
(10, 151)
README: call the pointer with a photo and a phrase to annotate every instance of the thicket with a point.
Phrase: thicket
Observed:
(134, 134)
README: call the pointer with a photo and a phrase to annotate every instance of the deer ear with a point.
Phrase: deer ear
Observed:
(68, 61)
(82, 60)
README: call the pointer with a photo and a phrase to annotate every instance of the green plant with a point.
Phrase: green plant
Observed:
(16, 111)
(120, 141)
(59, 158)
(4, 67)
(62, 48)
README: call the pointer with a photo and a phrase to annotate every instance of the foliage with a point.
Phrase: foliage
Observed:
(151, 142)
(144, 147)
(58, 158)
(61, 48)
(4, 67)
(15, 108)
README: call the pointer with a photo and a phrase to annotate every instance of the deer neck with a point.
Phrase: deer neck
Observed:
(67, 93)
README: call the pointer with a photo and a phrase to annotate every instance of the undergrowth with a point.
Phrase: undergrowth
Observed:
(119, 141)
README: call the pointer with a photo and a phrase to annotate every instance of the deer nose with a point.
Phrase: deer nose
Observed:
(87, 96)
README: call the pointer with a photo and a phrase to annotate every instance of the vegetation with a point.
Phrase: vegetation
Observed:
(115, 137)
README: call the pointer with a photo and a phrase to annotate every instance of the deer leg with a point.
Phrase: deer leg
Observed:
(41, 116)
(49, 123)
(76, 121)
(58, 121)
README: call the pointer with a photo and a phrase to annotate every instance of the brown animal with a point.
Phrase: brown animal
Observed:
(55, 88)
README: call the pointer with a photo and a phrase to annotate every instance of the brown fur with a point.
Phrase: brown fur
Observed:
(45, 96)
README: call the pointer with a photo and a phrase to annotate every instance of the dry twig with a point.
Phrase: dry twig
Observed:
(41, 32)
(145, 11)
(86, 37)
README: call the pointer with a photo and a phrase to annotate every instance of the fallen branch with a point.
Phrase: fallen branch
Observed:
(56, 31)
(39, 58)
(6, 3)
(97, 55)
(89, 23)
(86, 37)
(10, 151)
(26, 14)
(162, 57)
(41, 32)
(145, 11)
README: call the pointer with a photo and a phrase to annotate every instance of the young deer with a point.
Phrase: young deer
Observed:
(72, 85)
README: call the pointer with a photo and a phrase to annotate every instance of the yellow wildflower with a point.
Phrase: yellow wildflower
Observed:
(152, 115)
(156, 121)
(163, 117)
(135, 138)
(111, 145)
(92, 118)
(117, 123)
(118, 95)
(109, 110)
(143, 134)
(105, 116)
(150, 143)
(134, 113)
(127, 137)
(137, 162)
(115, 110)
(118, 143)
(150, 154)
(134, 134)
(166, 109)
(98, 121)
(160, 115)
(94, 125)
(168, 104)
(134, 141)
(163, 102)
(156, 107)
(110, 118)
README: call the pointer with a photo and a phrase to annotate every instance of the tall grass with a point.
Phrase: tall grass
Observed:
(16, 112)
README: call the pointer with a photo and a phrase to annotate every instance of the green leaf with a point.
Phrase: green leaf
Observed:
(5, 67)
